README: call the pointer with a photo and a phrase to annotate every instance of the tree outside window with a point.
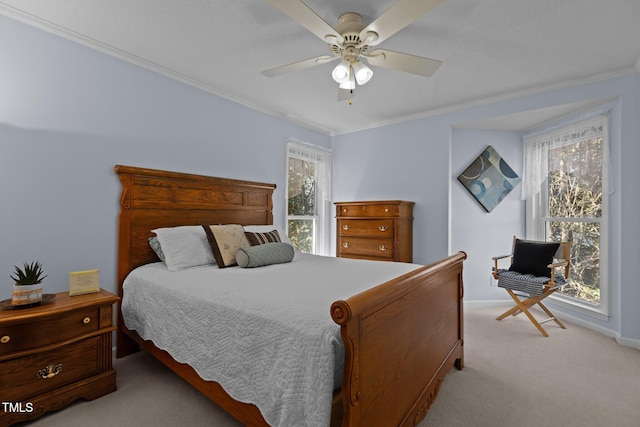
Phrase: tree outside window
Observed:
(575, 211)
(301, 204)
(308, 190)
(566, 188)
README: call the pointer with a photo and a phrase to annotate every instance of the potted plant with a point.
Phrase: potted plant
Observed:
(28, 284)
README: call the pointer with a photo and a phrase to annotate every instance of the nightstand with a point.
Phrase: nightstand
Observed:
(54, 354)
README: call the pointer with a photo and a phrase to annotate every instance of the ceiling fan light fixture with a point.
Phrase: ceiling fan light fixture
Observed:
(362, 73)
(342, 72)
(350, 83)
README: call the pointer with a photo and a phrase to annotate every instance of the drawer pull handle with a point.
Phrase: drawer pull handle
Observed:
(86, 320)
(386, 209)
(346, 245)
(5, 339)
(382, 248)
(346, 227)
(50, 371)
(383, 228)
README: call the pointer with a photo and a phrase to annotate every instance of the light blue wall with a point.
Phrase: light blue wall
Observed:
(492, 233)
(68, 114)
(420, 161)
(400, 162)
(627, 224)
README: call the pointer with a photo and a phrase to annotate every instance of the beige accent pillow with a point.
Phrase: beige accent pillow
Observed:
(225, 240)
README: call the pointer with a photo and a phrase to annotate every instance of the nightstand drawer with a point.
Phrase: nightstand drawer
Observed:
(30, 376)
(366, 227)
(358, 246)
(48, 330)
(367, 210)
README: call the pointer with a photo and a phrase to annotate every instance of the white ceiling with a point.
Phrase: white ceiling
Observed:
(491, 49)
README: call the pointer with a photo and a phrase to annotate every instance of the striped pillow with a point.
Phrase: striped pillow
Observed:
(260, 238)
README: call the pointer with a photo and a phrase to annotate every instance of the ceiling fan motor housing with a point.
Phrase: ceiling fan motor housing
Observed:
(350, 22)
(349, 26)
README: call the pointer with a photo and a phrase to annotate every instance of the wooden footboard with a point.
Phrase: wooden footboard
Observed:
(401, 338)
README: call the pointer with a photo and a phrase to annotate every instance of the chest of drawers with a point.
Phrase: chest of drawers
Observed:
(378, 230)
(55, 353)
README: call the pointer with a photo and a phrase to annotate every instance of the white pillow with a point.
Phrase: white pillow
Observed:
(184, 247)
(265, 228)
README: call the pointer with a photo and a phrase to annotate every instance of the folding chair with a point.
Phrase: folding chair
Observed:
(533, 276)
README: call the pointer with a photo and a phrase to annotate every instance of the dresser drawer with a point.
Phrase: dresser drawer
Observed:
(48, 330)
(362, 246)
(382, 228)
(29, 376)
(367, 210)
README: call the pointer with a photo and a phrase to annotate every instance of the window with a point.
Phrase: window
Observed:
(308, 196)
(566, 188)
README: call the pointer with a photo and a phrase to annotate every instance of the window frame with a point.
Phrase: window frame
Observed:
(537, 215)
(322, 157)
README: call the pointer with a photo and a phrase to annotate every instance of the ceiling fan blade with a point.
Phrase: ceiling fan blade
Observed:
(403, 62)
(398, 16)
(345, 94)
(297, 66)
(305, 16)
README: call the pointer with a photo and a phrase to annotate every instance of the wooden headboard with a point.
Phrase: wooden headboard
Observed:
(153, 198)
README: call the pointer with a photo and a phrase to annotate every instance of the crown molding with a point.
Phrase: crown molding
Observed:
(89, 42)
(479, 102)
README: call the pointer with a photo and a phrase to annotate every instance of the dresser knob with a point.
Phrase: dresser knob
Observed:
(383, 228)
(86, 320)
(346, 227)
(49, 371)
(386, 209)
(382, 248)
(346, 245)
(5, 339)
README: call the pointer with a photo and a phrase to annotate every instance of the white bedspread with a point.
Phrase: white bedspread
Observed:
(265, 334)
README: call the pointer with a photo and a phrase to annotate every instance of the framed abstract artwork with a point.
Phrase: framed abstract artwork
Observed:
(489, 179)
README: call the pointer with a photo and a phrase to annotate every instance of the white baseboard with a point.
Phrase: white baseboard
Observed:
(488, 303)
(627, 342)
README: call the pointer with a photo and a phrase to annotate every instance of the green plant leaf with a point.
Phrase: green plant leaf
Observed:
(30, 274)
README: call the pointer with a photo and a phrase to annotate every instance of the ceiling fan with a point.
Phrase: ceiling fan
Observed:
(351, 42)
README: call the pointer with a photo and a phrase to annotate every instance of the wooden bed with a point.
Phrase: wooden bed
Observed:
(400, 337)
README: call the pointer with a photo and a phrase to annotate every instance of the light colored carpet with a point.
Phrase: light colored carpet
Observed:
(513, 376)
